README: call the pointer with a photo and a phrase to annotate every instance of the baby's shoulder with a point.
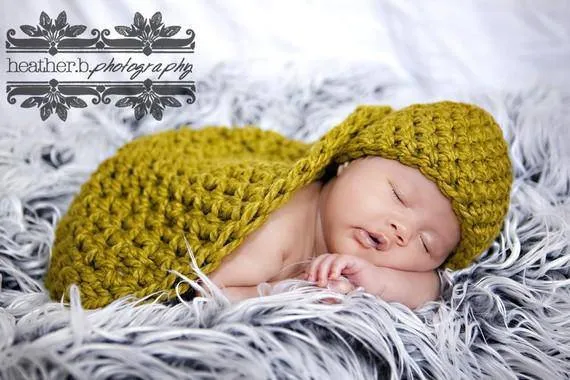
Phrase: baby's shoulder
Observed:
(296, 221)
(296, 213)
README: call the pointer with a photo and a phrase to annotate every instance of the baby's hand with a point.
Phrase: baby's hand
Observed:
(410, 288)
(329, 267)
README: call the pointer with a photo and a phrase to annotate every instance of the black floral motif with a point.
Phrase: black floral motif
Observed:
(147, 30)
(53, 101)
(57, 36)
(146, 97)
(53, 30)
(148, 102)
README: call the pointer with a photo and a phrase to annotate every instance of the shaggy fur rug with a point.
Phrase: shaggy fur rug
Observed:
(505, 317)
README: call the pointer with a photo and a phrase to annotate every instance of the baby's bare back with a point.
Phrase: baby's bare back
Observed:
(272, 252)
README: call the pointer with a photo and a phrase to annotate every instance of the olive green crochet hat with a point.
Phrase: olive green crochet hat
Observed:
(124, 232)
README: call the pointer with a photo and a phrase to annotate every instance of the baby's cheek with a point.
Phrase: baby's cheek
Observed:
(344, 242)
(438, 261)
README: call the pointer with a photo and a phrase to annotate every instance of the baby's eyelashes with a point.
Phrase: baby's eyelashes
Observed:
(424, 244)
(396, 194)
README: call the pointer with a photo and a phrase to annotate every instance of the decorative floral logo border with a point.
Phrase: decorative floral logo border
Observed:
(144, 35)
(58, 98)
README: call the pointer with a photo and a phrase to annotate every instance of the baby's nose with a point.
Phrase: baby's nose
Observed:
(401, 233)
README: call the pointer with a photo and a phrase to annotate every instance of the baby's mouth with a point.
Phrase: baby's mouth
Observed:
(378, 239)
(370, 239)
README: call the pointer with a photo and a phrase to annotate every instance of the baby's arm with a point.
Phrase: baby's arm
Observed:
(258, 259)
(410, 288)
(239, 293)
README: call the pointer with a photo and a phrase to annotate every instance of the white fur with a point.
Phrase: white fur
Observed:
(504, 317)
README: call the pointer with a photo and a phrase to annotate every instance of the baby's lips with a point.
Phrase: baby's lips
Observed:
(382, 240)
(370, 239)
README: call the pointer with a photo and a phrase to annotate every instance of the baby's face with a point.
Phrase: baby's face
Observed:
(414, 225)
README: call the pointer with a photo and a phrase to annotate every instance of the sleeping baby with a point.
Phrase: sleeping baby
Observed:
(380, 224)
(382, 201)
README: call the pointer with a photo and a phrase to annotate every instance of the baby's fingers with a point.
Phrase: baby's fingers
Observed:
(315, 264)
(324, 269)
(340, 265)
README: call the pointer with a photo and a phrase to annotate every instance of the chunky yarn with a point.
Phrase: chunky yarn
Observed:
(213, 186)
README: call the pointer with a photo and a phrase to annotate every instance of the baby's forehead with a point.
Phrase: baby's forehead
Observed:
(392, 165)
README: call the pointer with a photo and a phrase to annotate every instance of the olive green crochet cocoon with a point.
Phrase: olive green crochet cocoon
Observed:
(125, 230)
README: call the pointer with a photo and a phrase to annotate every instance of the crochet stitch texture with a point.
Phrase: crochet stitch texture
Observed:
(125, 229)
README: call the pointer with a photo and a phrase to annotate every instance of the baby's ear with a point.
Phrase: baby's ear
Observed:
(341, 168)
